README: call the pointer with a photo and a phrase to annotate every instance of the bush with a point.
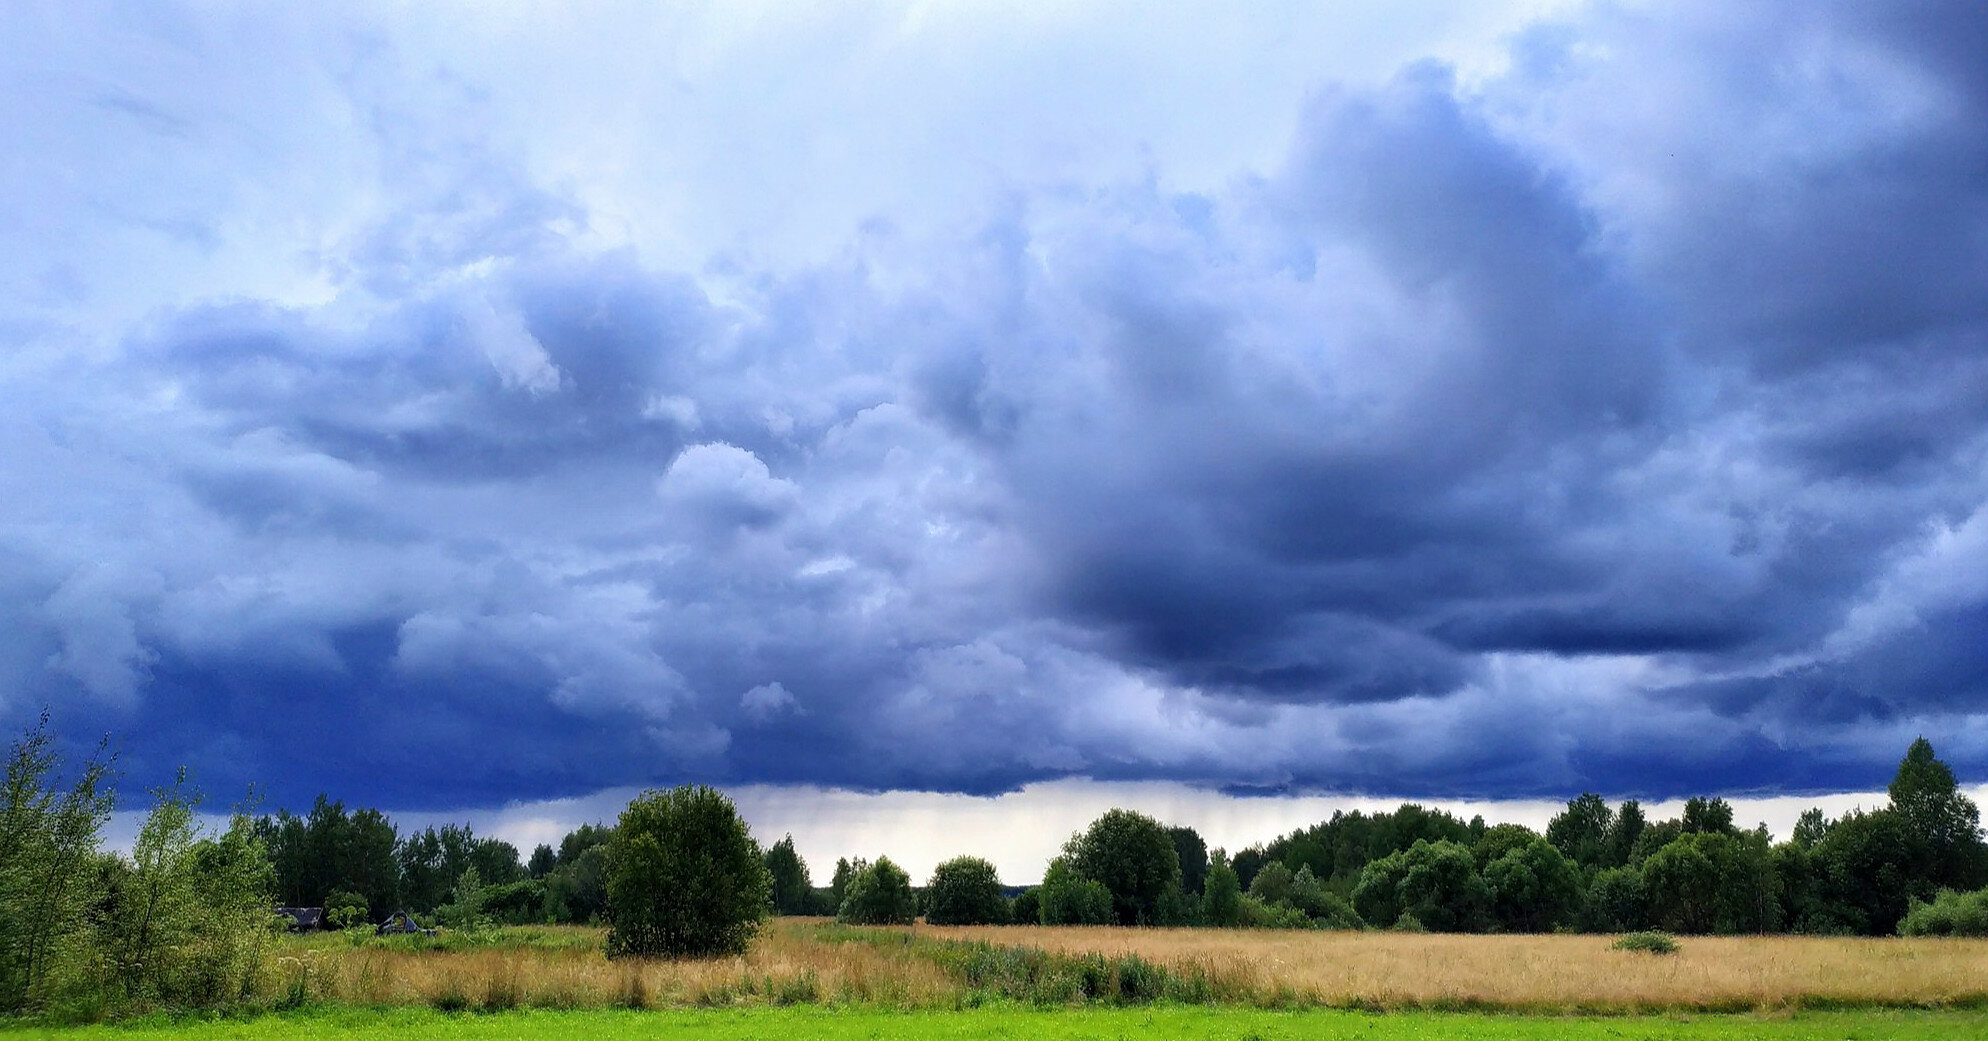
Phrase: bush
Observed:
(344, 908)
(1950, 914)
(1255, 914)
(1027, 906)
(1647, 942)
(684, 878)
(1326, 909)
(879, 894)
(1067, 898)
(965, 891)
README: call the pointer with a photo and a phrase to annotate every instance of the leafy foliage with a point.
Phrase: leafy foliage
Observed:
(48, 840)
(1133, 857)
(1221, 894)
(684, 878)
(1581, 831)
(189, 923)
(1068, 898)
(879, 894)
(965, 891)
(1712, 881)
(1192, 853)
(1949, 914)
(1533, 887)
(1647, 942)
(1436, 883)
(793, 891)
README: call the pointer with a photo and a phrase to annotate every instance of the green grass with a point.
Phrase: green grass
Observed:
(1160, 1022)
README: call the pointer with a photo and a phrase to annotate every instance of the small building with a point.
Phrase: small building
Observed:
(400, 922)
(302, 919)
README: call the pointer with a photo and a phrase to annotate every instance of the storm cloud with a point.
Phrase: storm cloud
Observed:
(1595, 400)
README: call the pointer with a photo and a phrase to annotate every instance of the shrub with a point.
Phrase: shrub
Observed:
(1326, 909)
(1647, 942)
(880, 894)
(1068, 898)
(965, 891)
(1027, 906)
(1256, 914)
(684, 878)
(1950, 914)
(344, 908)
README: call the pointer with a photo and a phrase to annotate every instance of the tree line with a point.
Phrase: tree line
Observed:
(1915, 865)
(186, 917)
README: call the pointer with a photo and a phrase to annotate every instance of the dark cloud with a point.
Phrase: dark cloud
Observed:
(1612, 422)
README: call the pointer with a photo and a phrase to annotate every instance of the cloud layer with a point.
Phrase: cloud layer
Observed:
(420, 411)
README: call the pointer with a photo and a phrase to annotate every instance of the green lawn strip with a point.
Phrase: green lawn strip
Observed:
(1162, 1023)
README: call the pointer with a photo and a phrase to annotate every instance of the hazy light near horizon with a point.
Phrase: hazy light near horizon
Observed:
(1020, 831)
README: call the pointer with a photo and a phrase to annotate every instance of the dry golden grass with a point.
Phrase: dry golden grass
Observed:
(791, 963)
(1389, 969)
(785, 965)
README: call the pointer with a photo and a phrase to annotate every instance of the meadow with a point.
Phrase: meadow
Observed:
(819, 963)
(1160, 1023)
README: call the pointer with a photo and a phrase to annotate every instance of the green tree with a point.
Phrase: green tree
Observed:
(1624, 833)
(1654, 837)
(1435, 883)
(190, 925)
(544, 859)
(879, 894)
(965, 891)
(1324, 907)
(1615, 902)
(465, 907)
(1708, 817)
(581, 839)
(1221, 894)
(1945, 825)
(1133, 857)
(1192, 853)
(1581, 831)
(1027, 906)
(1711, 881)
(838, 884)
(1533, 887)
(577, 892)
(497, 861)
(684, 878)
(1272, 885)
(793, 891)
(1500, 839)
(1068, 898)
(48, 840)
(1810, 827)
(1868, 868)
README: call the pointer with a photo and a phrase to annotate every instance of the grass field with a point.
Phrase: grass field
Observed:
(797, 962)
(1392, 970)
(1161, 1023)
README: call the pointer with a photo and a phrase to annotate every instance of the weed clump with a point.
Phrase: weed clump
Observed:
(1646, 942)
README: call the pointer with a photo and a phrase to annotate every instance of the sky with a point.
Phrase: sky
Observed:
(491, 408)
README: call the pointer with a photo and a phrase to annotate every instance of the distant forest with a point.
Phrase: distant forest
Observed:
(1596, 868)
